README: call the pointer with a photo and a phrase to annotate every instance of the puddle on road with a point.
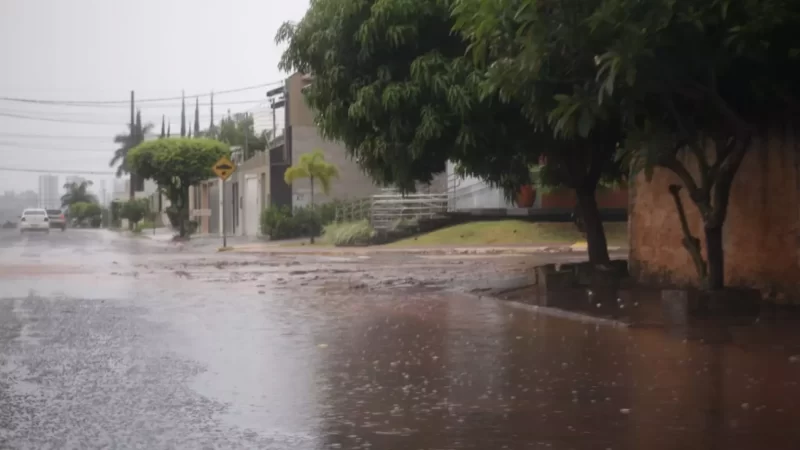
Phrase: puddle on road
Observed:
(394, 368)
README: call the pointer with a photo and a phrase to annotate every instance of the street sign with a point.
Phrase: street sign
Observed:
(224, 168)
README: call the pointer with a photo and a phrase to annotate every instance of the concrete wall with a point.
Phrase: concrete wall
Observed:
(761, 234)
(352, 182)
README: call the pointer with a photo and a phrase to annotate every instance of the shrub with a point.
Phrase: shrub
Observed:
(349, 233)
(285, 223)
(135, 210)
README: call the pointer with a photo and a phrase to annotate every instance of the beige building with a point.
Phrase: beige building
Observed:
(303, 137)
(258, 180)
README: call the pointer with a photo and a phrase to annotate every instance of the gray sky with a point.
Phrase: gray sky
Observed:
(100, 50)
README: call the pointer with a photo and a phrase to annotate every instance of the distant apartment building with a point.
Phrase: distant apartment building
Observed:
(49, 192)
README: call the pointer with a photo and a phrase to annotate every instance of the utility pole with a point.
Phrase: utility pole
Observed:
(131, 180)
(246, 134)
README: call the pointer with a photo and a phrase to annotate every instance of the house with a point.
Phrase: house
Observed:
(301, 137)
(258, 181)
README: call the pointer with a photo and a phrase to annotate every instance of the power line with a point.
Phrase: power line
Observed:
(50, 119)
(127, 101)
(13, 146)
(150, 104)
(51, 136)
(59, 171)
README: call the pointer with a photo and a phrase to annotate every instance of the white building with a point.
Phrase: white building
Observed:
(49, 197)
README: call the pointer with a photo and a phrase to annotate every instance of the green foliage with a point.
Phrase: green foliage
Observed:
(391, 81)
(77, 193)
(285, 223)
(176, 164)
(694, 76)
(391, 84)
(135, 210)
(313, 167)
(349, 234)
(134, 136)
(239, 131)
(85, 212)
(115, 211)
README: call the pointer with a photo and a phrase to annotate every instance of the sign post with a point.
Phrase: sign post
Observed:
(224, 168)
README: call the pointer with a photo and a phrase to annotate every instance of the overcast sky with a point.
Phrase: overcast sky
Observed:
(100, 50)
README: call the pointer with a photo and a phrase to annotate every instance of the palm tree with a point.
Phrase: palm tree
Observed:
(314, 167)
(77, 193)
(127, 141)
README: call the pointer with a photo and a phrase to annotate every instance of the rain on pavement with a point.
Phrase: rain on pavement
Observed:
(114, 342)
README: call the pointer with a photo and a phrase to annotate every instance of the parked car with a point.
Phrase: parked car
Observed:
(34, 219)
(57, 219)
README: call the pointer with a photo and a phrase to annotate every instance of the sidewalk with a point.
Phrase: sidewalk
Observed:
(280, 247)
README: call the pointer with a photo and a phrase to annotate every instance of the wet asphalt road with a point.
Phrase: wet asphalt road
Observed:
(111, 342)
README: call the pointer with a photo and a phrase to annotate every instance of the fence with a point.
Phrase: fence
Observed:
(385, 210)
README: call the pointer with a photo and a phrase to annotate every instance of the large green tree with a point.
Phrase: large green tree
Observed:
(77, 193)
(391, 81)
(543, 57)
(176, 164)
(700, 82)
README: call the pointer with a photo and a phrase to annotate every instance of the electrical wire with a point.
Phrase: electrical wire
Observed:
(59, 171)
(14, 146)
(50, 136)
(137, 101)
(172, 104)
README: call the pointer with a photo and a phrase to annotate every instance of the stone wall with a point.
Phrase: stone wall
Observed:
(761, 234)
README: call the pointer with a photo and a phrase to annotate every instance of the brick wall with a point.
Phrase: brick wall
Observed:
(760, 234)
(352, 182)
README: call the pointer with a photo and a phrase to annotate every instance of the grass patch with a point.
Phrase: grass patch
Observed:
(348, 234)
(511, 232)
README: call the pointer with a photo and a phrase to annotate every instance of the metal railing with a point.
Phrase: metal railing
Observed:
(384, 210)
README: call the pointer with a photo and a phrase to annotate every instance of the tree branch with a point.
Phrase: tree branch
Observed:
(690, 243)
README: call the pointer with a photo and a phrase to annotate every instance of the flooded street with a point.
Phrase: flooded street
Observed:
(113, 342)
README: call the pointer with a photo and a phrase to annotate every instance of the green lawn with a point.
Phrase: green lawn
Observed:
(511, 232)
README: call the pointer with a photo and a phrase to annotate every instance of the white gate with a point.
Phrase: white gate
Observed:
(252, 211)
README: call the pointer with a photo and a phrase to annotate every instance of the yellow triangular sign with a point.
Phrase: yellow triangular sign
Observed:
(224, 168)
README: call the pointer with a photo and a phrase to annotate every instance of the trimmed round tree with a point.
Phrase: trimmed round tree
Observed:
(175, 164)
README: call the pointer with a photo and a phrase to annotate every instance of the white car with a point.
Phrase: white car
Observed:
(34, 219)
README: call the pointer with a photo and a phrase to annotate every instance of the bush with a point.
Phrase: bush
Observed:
(284, 223)
(135, 210)
(349, 233)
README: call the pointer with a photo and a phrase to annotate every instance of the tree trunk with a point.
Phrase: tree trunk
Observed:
(716, 258)
(313, 218)
(183, 209)
(595, 234)
(131, 196)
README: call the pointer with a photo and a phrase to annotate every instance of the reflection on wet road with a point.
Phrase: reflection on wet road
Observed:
(107, 342)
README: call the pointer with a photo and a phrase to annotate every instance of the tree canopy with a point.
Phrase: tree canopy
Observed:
(391, 83)
(700, 82)
(400, 89)
(176, 164)
(77, 193)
